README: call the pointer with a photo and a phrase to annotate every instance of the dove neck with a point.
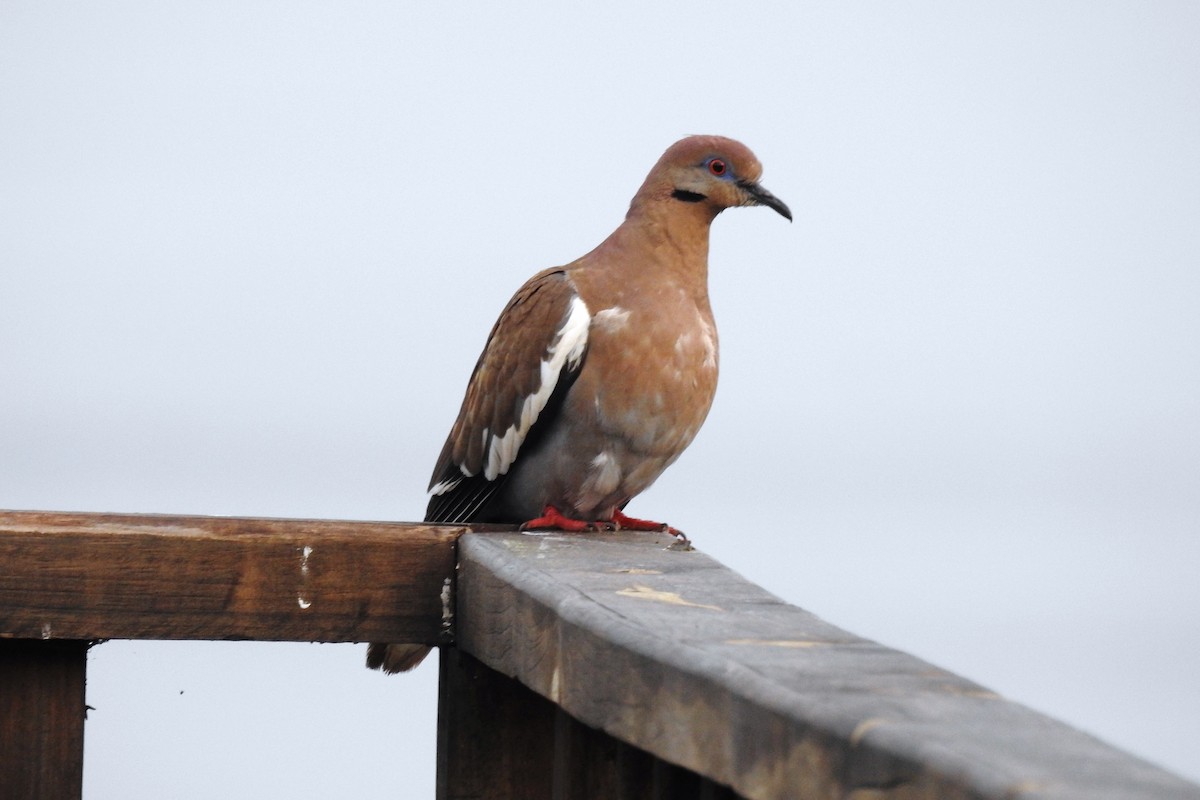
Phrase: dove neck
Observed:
(672, 239)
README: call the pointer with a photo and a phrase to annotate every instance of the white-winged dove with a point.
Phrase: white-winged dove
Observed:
(599, 373)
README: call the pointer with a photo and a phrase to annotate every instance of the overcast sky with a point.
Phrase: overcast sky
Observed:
(249, 253)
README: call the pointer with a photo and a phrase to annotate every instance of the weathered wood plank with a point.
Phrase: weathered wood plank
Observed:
(108, 576)
(41, 718)
(677, 655)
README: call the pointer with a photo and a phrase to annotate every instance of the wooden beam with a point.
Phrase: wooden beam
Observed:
(41, 718)
(675, 654)
(108, 576)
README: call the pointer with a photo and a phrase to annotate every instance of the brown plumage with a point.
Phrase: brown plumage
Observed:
(598, 374)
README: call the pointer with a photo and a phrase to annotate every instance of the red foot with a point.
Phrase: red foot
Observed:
(625, 523)
(553, 519)
(632, 524)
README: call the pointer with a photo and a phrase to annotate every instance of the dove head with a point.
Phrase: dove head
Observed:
(710, 174)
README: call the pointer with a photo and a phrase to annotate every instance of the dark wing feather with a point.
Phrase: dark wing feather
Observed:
(507, 380)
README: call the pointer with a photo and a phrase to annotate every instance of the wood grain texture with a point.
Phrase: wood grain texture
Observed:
(495, 737)
(108, 576)
(499, 740)
(675, 654)
(41, 718)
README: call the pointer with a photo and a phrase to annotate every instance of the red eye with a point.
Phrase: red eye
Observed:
(716, 166)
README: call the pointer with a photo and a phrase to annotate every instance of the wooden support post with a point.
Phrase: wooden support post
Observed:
(591, 765)
(498, 739)
(41, 718)
(495, 737)
(586, 763)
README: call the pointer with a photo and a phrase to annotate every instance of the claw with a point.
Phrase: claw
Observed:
(633, 524)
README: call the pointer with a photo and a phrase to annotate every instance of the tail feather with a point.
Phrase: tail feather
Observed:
(393, 658)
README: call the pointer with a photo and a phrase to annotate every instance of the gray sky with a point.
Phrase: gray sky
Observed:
(249, 253)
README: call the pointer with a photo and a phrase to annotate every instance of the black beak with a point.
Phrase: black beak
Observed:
(760, 196)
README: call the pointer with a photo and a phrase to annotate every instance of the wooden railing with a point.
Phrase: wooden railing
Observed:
(573, 667)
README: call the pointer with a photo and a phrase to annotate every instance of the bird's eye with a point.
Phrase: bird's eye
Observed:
(716, 166)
